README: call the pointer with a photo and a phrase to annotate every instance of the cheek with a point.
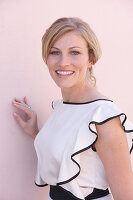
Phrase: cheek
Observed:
(51, 62)
(80, 62)
(77, 60)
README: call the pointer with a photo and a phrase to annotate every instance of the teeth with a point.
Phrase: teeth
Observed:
(63, 72)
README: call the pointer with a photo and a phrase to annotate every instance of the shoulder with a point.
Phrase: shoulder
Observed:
(95, 94)
(108, 122)
(111, 129)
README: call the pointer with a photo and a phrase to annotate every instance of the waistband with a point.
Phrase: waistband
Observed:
(59, 193)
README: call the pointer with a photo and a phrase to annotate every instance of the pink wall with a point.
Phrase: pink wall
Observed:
(23, 72)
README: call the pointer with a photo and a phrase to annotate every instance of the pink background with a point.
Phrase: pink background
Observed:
(23, 72)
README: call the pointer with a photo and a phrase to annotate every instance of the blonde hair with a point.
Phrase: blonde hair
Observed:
(67, 24)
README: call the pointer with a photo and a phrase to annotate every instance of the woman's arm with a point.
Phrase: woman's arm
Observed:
(112, 148)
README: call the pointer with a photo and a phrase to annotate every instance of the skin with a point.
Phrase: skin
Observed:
(70, 52)
(111, 145)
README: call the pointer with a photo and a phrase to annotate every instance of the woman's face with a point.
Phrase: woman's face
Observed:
(68, 61)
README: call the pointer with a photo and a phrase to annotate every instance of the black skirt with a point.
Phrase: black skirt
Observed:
(59, 193)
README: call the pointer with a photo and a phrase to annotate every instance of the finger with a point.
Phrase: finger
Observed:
(23, 108)
(17, 100)
(21, 104)
(19, 120)
(25, 100)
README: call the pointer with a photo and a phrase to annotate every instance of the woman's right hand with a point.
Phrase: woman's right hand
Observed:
(30, 124)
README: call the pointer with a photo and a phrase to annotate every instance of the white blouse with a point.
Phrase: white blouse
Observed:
(64, 146)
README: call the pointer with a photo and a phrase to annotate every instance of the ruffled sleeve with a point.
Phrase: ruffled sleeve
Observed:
(110, 111)
(107, 112)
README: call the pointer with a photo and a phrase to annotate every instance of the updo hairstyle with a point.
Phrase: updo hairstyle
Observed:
(67, 24)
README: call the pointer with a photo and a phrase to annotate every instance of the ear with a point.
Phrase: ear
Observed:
(90, 63)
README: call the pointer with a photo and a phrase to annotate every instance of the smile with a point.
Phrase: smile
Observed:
(64, 72)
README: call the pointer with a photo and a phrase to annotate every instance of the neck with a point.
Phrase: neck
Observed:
(78, 94)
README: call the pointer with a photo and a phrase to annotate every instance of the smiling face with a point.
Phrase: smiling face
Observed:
(68, 61)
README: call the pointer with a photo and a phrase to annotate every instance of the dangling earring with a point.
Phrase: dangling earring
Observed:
(92, 78)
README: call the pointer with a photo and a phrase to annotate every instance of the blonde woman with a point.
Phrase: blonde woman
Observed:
(84, 148)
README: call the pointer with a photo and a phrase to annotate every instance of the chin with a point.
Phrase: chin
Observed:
(64, 86)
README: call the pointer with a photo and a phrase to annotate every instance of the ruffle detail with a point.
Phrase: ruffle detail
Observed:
(111, 112)
(87, 137)
(83, 141)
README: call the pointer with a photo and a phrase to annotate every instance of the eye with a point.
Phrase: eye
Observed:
(55, 52)
(75, 52)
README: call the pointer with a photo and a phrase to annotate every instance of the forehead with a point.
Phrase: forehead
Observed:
(70, 39)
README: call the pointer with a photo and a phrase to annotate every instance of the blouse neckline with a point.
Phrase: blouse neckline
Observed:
(76, 103)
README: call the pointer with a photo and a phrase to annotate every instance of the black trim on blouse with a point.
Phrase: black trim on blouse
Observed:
(74, 103)
(131, 147)
(41, 185)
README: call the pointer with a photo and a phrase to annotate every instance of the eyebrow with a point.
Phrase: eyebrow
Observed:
(69, 48)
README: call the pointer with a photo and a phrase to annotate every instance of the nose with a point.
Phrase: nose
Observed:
(64, 60)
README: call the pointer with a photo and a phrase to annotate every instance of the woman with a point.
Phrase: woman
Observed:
(82, 149)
